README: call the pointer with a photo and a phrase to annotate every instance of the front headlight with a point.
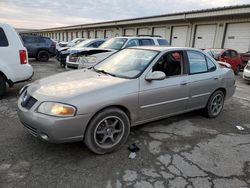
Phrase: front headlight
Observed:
(24, 89)
(91, 59)
(57, 109)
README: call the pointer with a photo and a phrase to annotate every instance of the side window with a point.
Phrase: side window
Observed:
(132, 42)
(210, 65)
(41, 40)
(233, 53)
(170, 63)
(197, 62)
(147, 42)
(225, 54)
(162, 42)
(3, 39)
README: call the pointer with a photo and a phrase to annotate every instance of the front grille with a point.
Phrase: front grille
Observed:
(28, 101)
(73, 58)
(31, 130)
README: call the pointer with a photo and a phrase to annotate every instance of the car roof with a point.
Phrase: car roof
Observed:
(140, 37)
(164, 48)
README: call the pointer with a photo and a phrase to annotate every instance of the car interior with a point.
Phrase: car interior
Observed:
(170, 63)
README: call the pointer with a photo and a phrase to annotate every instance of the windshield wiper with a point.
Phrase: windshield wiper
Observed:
(104, 72)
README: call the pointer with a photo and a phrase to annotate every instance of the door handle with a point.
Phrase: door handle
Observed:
(216, 78)
(183, 83)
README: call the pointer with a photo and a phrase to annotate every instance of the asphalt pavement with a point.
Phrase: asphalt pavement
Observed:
(188, 151)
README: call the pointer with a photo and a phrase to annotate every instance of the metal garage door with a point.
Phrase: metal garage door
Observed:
(179, 36)
(85, 34)
(99, 34)
(74, 35)
(238, 37)
(204, 36)
(161, 31)
(143, 31)
(129, 32)
(108, 34)
(91, 35)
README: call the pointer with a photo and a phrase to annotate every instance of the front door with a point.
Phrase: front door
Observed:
(161, 98)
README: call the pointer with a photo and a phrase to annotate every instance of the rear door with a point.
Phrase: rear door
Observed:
(203, 78)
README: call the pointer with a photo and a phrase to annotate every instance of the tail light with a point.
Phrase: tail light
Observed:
(23, 57)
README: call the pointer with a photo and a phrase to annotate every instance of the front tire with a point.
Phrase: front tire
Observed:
(107, 131)
(43, 56)
(2, 86)
(215, 104)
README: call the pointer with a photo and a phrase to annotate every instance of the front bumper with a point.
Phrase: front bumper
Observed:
(246, 74)
(56, 129)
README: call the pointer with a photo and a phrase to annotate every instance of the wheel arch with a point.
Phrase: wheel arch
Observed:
(121, 107)
(41, 49)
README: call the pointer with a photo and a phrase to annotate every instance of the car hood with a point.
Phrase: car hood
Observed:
(71, 84)
(63, 49)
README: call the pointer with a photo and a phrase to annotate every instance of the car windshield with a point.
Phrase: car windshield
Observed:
(128, 63)
(215, 53)
(114, 43)
(82, 44)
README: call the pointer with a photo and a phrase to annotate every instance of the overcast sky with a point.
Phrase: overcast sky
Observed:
(54, 13)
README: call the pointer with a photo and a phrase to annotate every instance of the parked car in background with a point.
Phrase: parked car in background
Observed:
(131, 87)
(89, 43)
(90, 57)
(246, 72)
(39, 47)
(14, 64)
(75, 41)
(229, 56)
(62, 44)
(245, 57)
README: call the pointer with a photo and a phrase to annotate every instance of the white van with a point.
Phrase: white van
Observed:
(14, 65)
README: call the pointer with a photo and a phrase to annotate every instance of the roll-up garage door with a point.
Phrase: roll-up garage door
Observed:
(161, 31)
(238, 37)
(91, 34)
(85, 34)
(64, 36)
(99, 34)
(143, 31)
(129, 32)
(179, 36)
(74, 35)
(205, 36)
(108, 34)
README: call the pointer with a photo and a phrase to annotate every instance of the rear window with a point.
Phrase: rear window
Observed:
(162, 42)
(3, 39)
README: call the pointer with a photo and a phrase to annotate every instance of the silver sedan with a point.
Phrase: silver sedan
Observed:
(132, 87)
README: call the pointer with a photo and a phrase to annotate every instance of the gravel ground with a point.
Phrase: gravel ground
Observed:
(183, 151)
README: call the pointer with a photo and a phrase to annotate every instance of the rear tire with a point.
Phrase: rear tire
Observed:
(2, 86)
(107, 131)
(43, 56)
(215, 104)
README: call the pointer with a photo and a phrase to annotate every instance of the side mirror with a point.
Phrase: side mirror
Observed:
(156, 75)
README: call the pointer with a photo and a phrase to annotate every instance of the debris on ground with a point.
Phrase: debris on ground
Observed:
(133, 148)
(132, 155)
(240, 128)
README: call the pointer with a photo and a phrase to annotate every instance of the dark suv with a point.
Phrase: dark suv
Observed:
(41, 48)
